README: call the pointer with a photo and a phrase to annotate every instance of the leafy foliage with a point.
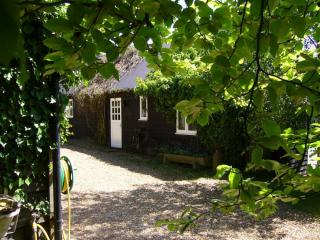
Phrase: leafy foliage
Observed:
(252, 49)
(25, 104)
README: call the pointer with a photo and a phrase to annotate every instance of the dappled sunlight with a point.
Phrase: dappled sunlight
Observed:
(132, 215)
(121, 196)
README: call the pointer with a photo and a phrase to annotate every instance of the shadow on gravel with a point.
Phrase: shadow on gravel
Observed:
(137, 163)
(132, 215)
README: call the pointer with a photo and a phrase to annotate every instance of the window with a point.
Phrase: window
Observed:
(143, 108)
(182, 127)
(69, 109)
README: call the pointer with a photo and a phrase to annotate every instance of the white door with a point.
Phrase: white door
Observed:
(115, 123)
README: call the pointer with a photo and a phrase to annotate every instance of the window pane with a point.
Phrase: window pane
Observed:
(143, 107)
(69, 109)
(181, 122)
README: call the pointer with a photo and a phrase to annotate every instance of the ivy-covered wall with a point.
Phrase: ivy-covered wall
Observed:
(25, 109)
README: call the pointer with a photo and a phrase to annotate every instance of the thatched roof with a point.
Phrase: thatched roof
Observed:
(130, 66)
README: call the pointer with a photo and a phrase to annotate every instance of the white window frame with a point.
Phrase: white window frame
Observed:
(186, 131)
(143, 118)
(69, 109)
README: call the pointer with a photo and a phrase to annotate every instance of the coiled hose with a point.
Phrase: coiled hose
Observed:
(66, 184)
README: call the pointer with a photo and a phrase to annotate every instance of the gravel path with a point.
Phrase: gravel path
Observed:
(121, 196)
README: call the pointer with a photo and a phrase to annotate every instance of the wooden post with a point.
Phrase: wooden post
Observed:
(55, 156)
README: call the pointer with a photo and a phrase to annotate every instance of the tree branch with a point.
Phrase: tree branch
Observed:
(241, 28)
(298, 168)
(314, 91)
(257, 59)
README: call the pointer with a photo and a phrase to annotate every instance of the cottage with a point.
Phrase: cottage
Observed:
(115, 116)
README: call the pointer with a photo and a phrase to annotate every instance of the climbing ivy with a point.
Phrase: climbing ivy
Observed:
(25, 103)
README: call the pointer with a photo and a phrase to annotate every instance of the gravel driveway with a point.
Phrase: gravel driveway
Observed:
(121, 196)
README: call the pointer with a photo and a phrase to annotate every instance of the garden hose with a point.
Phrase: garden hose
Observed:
(66, 184)
(66, 174)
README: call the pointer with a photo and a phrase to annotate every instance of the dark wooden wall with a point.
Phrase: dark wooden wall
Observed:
(143, 136)
(140, 136)
(80, 126)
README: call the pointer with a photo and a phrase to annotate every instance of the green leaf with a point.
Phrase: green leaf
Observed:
(151, 6)
(234, 178)
(278, 27)
(270, 165)
(256, 155)
(222, 61)
(28, 181)
(203, 118)
(112, 52)
(255, 8)
(264, 44)
(272, 143)
(273, 96)
(306, 65)
(188, 14)
(20, 182)
(273, 4)
(88, 53)
(260, 184)
(292, 200)
(258, 99)
(231, 193)
(75, 13)
(100, 40)
(88, 72)
(288, 190)
(57, 44)
(190, 29)
(298, 25)
(204, 10)
(273, 45)
(271, 128)
(59, 25)
(244, 48)
(140, 43)
(221, 171)
(70, 61)
(140, 14)
(54, 56)
(247, 198)
(188, 2)
(246, 81)
(172, 227)
(207, 59)
(108, 70)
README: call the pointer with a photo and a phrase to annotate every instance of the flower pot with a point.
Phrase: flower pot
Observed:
(9, 212)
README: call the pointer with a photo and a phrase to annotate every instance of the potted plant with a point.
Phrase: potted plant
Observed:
(9, 212)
